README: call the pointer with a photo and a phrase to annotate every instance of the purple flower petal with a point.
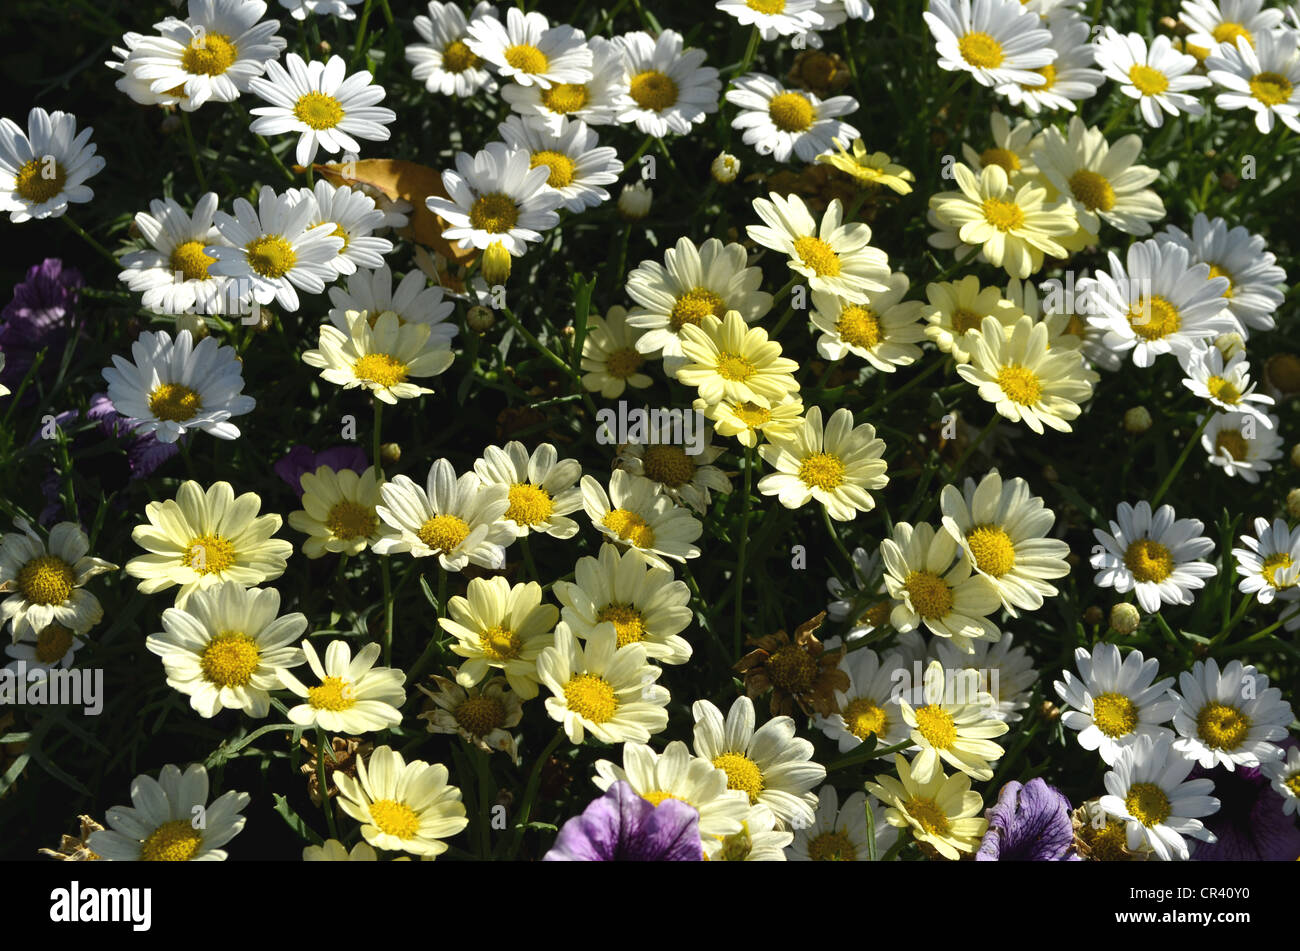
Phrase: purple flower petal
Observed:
(621, 826)
(1029, 823)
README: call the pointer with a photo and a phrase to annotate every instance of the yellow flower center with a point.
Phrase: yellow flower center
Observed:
(529, 504)
(928, 815)
(693, 306)
(1005, 157)
(936, 725)
(865, 717)
(817, 255)
(494, 213)
(822, 470)
(230, 659)
(656, 796)
(1292, 783)
(1048, 73)
(1154, 317)
(348, 519)
(457, 57)
(994, 553)
(623, 363)
(791, 668)
(480, 715)
(859, 327)
(930, 595)
(653, 90)
(742, 773)
(752, 415)
(630, 527)
(395, 818)
(52, 643)
(334, 693)
(174, 402)
(209, 554)
(381, 369)
(1216, 271)
(318, 111)
(791, 112)
(877, 614)
(562, 167)
(1147, 803)
(1223, 390)
(1001, 214)
(209, 55)
(980, 50)
(1148, 560)
(1272, 89)
(629, 623)
(1228, 32)
(1020, 384)
(735, 367)
(500, 643)
(1092, 190)
(175, 841)
(770, 7)
(591, 698)
(1115, 714)
(669, 465)
(444, 532)
(1149, 82)
(964, 320)
(1233, 443)
(527, 58)
(1272, 565)
(46, 579)
(190, 262)
(1222, 727)
(38, 181)
(1109, 844)
(832, 847)
(270, 255)
(564, 98)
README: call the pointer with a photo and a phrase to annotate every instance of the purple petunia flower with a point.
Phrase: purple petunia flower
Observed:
(1250, 824)
(620, 826)
(40, 316)
(1029, 823)
(302, 459)
(144, 453)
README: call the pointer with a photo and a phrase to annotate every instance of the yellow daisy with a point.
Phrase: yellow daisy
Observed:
(942, 813)
(733, 361)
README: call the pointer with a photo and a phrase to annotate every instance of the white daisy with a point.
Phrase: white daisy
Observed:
(402, 806)
(1011, 148)
(1156, 556)
(611, 361)
(884, 330)
(137, 88)
(781, 122)
(598, 101)
(1285, 774)
(1147, 790)
(444, 62)
(413, 301)
(353, 696)
(839, 833)
(1269, 562)
(527, 50)
(299, 9)
(772, 19)
(669, 89)
(1007, 674)
(502, 626)
(1156, 76)
(1115, 702)
(996, 41)
(578, 164)
(638, 514)
(354, 217)
(44, 169)
(332, 850)
(1242, 446)
(382, 358)
(869, 706)
(838, 466)
(542, 487)
(951, 723)
(1067, 80)
(1225, 383)
(54, 648)
(338, 511)
(867, 588)
(1215, 24)
(761, 839)
(1229, 718)
(44, 581)
(497, 195)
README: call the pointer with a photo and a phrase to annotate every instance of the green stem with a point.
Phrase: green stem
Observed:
(325, 804)
(1178, 464)
(835, 535)
(483, 777)
(376, 442)
(751, 50)
(529, 564)
(388, 609)
(551, 356)
(904, 837)
(737, 607)
(194, 150)
(85, 236)
(530, 791)
(1246, 602)
(359, 53)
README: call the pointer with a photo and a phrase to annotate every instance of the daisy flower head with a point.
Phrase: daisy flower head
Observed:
(839, 833)
(1024, 378)
(502, 626)
(172, 386)
(1003, 528)
(600, 688)
(1264, 78)
(1067, 80)
(781, 123)
(868, 169)
(204, 537)
(578, 164)
(45, 169)
(273, 250)
(1158, 557)
(226, 647)
(1013, 225)
(1225, 383)
(611, 360)
(1012, 147)
(869, 705)
(867, 588)
(669, 89)
(43, 580)
(354, 217)
(1269, 561)
(952, 723)
(497, 195)
(460, 520)
(727, 359)
(957, 312)
(996, 41)
(884, 330)
(1229, 717)
(353, 696)
(746, 420)
(1215, 24)
(483, 714)
(772, 18)
(54, 648)
(406, 807)
(692, 283)
(931, 580)
(1158, 302)
(159, 826)
(637, 514)
(761, 839)
(211, 56)
(1241, 445)
(328, 108)
(338, 511)
(444, 62)
(1100, 179)
(644, 603)
(942, 812)
(1005, 672)
(528, 51)
(542, 487)
(598, 101)
(1115, 702)
(835, 257)
(382, 358)
(1157, 76)
(682, 468)
(140, 90)
(839, 465)
(1285, 774)
(1147, 789)
(413, 301)
(332, 850)
(299, 9)
(1256, 284)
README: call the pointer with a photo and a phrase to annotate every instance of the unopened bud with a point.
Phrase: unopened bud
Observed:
(1049, 711)
(324, 47)
(1282, 373)
(195, 324)
(496, 263)
(390, 453)
(480, 319)
(1293, 504)
(1229, 182)
(1050, 473)
(1295, 455)
(725, 168)
(170, 124)
(634, 201)
(1092, 615)
(1230, 344)
(1137, 420)
(1124, 618)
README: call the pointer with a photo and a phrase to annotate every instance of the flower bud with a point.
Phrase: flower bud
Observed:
(1093, 615)
(390, 453)
(1124, 618)
(634, 201)
(480, 319)
(725, 168)
(1137, 420)
(195, 324)
(496, 263)
(1230, 344)
(1293, 504)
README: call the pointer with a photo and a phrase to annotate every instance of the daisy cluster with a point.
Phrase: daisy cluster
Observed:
(509, 621)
